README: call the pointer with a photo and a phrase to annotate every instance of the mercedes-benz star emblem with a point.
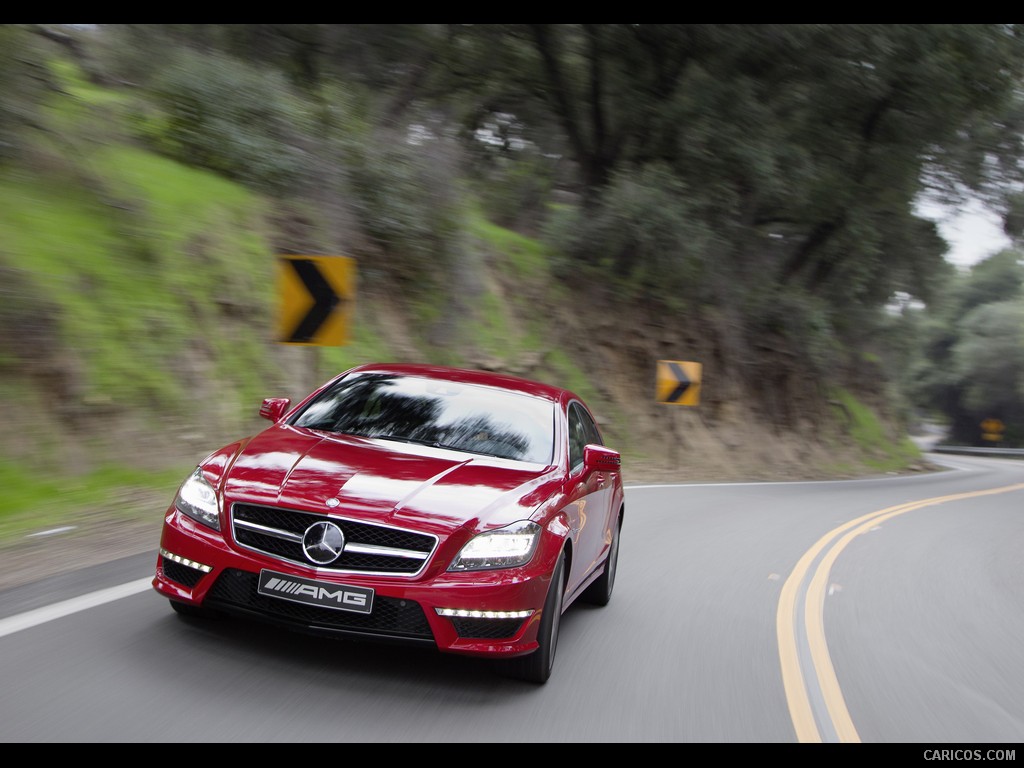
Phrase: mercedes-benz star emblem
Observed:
(323, 543)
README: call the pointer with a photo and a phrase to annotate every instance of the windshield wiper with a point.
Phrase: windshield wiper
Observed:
(411, 440)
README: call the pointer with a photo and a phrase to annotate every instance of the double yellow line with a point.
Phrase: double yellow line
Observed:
(786, 620)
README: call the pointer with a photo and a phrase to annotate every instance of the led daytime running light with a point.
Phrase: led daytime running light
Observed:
(463, 613)
(184, 561)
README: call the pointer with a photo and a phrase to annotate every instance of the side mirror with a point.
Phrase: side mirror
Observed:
(274, 408)
(601, 458)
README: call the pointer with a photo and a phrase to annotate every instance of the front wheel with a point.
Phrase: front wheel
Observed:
(536, 667)
(600, 592)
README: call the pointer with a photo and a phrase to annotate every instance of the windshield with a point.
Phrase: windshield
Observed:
(461, 417)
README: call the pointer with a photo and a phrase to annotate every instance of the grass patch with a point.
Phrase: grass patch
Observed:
(365, 346)
(496, 333)
(526, 256)
(880, 451)
(163, 261)
(33, 502)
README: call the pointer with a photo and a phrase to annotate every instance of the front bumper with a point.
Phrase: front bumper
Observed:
(499, 611)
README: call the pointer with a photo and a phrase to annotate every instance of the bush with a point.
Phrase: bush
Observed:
(405, 194)
(218, 113)
(642, 232)
(23, 81)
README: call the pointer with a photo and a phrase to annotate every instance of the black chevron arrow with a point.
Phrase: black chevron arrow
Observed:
(681, 387)
(325, 300)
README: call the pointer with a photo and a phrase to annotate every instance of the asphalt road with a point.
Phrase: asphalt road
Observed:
(880, 611)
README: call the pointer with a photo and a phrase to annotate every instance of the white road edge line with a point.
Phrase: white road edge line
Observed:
(30, 619)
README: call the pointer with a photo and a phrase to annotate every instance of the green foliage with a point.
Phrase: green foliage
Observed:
(406, 199)
(882, 450)
(513, 178)
(785, 155)
(997, 278)
(973, 364)
(220, 114)
(988, 358)
(365, 346)
(523, 257)
(72, 81)
(509, 325)
(35, 502)
(644, 233)
(565, 372)
(23, 81)
(801, 321)
(718, 164)
(134, 283)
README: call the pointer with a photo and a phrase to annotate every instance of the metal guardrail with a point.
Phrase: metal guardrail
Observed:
(1008, 453)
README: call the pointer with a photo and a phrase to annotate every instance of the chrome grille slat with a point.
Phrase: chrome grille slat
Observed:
(286, 535)
(370, 548)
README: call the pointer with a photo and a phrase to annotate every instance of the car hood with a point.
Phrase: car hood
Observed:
(386, 481)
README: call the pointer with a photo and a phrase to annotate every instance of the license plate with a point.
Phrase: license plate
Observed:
(339, 597)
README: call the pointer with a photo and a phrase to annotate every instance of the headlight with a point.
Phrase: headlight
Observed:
(506, 547)
(197, 499)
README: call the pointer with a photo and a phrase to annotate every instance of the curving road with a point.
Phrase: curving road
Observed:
(886, 610)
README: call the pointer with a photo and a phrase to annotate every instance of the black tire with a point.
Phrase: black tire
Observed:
(600, 591)
(536, 667)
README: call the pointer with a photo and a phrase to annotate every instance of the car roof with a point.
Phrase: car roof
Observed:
(469, 376)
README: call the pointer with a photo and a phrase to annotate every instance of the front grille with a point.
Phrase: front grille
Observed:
(486, 629)
(369, 548)
(402, 620)
(182, 574)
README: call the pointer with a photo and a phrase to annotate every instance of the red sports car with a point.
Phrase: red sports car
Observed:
(456, 509)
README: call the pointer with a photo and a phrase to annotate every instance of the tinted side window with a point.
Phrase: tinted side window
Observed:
(577, 437)
(582, 432)
(590, 428)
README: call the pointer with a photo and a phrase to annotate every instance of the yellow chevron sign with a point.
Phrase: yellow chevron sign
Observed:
(317, 296)
(678, 382)
(992, 430)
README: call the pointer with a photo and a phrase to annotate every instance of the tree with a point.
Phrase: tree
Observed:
(989, 359)
(801, 149)
(973, 367)
(23, 81)
(766, 173)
